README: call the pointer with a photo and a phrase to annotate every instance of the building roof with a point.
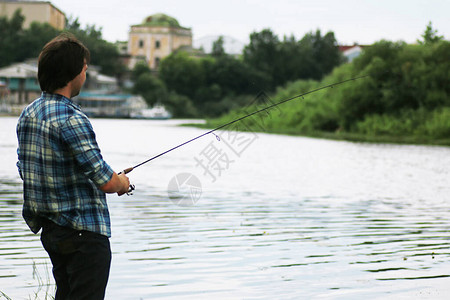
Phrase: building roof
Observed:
(343, 48)
(19, 70)
(98, 96)
(160, 20)
(33, 2)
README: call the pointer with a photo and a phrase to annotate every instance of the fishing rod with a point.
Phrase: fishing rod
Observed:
(128, 170)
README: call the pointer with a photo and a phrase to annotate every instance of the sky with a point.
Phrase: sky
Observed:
(352, 21)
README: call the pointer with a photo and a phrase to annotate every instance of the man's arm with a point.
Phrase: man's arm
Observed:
(80, 137)
(118, 184)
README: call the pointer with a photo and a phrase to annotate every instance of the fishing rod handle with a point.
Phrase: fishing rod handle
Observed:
(132, 187)
(126, 171)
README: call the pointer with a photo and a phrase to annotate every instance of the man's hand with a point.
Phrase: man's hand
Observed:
(125, 182)
(118, 184)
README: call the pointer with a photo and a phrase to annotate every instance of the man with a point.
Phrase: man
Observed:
(64, 175)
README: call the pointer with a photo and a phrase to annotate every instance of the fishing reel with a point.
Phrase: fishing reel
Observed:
(130, 190)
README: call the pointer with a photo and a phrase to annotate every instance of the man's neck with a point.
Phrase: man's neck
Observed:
(65, 91)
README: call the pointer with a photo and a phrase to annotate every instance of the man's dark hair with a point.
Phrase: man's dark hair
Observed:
(60, 61)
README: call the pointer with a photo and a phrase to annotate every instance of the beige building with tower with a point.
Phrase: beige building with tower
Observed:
(155, 38)
(34, 11)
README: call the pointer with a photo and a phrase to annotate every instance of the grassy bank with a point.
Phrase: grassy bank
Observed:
(341, 136)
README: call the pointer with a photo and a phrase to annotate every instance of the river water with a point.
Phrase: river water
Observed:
(253, 216)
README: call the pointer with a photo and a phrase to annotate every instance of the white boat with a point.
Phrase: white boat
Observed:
(157, 112)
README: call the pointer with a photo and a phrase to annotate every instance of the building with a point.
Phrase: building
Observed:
(104, 105)
(97, 82)
(34, 11)
(122, 47)
(4, 95)
(351, 52)
(20, 82)
(155, 38)
(99, 98)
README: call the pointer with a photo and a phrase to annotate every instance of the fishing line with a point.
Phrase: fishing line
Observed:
(128, 170)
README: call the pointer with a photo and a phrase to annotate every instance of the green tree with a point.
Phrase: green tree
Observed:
(150, 88)
(154, 90)
(182, 74)
(180, 106)
(262, 53)
(18, 44)
(139, 69)
(217, 49)
(103, 54)
(289, 58)
(402, 78)
(208, 80)
(34, 39)
(430, 36)
(11, 35)
(212, 82)
(233, 76)
(319, 54)
(312, 57)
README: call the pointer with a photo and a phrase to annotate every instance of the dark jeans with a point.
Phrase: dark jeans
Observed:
(81, 262)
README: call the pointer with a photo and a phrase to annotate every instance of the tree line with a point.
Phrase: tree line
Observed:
(405, 98)
(18, 43)
(190, 84)
(211, 85)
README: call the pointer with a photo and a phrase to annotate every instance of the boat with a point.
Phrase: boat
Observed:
(157, 112)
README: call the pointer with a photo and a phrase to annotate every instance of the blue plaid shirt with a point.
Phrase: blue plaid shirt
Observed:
(61, 167)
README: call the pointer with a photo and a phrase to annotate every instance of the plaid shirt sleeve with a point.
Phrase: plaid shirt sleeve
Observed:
(79, 136)
(18, 164)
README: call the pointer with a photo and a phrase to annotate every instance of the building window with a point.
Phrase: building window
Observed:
(141, 44)
(157, 44)
(157, 60)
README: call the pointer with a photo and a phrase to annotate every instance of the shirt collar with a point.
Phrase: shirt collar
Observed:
(61, 98)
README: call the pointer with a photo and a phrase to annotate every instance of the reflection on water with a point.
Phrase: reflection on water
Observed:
(291, 218)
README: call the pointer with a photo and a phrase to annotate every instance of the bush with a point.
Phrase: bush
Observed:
(437, 125)
(180, 106)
